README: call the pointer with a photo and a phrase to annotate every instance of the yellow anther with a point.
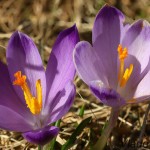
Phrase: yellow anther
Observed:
(123, 53)
(121, 70)
(126, 75)
(33, 103)
(119, 48)
(20, 80)
(123, 76)
(39, 92)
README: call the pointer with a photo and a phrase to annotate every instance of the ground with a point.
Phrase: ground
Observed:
(43, 20)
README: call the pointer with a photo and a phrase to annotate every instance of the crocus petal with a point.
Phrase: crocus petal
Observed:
(41, 136)
(105, 16)
(10, 120)
(88, 65)
(22, 55)
(128, 90)
(124, 29)
(62, 103)
(137, 42)
(106, 95)
(60, 68)
(106, 36)
(142, 92)
(8, 97)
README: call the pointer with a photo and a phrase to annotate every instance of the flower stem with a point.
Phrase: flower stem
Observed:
(105, 135)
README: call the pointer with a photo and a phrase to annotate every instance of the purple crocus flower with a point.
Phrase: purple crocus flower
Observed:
(30, 97)
(116, 66)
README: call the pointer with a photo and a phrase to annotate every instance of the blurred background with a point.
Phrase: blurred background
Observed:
(43, 20)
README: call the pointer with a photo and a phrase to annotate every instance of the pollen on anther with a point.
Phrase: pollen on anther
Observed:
(124, 74)
(20, 79)
(123, 53)
(34, 103)
(119, 48)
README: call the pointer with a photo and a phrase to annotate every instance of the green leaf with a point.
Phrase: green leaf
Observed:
(39, 147)
(74, 135)
(81, 112)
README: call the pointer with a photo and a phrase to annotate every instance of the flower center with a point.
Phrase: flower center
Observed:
(33, 103)
(124, 74)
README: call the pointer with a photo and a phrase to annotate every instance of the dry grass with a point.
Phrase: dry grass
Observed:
(43, 20)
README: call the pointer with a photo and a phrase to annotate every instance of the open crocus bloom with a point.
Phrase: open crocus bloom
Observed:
(116, 67)
(30, 97)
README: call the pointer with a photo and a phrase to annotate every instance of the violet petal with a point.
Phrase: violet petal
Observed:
(137, 42)
(10, 120)
(62, 103)
(22, 55)
(88, 65)
(106, 95)
(41, 136)
(8, 96)
(142, 92)
(106, 36)
(128, 90)
(105, 15)
(60, 68)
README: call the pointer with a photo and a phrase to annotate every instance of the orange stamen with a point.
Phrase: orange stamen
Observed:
(123, 76)
(33, 103)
